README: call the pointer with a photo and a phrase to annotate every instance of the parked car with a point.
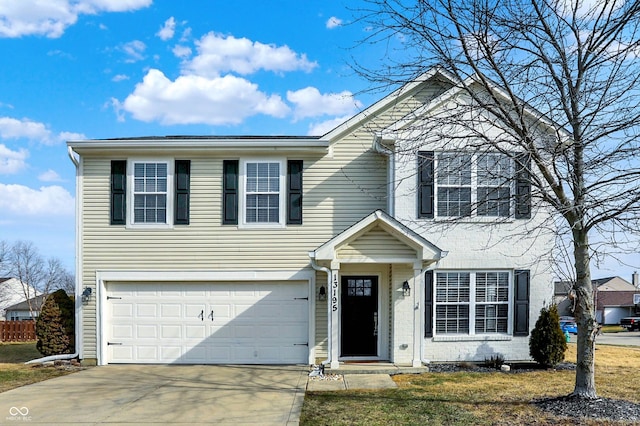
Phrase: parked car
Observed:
(630, 323)
(569, 326)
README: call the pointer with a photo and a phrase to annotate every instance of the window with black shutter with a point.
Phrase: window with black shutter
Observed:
(118, 214)
(425, 184)
(230, 192)
(182, 179)
(294, 192)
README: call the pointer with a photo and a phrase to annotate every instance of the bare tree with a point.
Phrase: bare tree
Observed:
(561, 77)
(22, 260)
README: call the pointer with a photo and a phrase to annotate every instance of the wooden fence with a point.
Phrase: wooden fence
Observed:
(17, 331)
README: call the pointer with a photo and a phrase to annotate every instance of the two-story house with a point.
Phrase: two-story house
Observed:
(306, 249)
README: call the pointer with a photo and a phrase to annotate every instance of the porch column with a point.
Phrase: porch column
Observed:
(335, 317)
(417, 316)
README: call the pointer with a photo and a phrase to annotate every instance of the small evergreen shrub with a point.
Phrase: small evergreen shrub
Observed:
(55, 325)
(547, 343)
(495, 361)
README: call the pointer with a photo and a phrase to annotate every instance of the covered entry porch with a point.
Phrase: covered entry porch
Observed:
(374, 291)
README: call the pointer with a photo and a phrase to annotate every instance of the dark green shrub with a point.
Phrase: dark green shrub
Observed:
(495, 361)
(55, 325)
(547, 343)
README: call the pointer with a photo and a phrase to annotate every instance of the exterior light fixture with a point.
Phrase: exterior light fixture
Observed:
(322, 293)
(86, 295)
(406, 290)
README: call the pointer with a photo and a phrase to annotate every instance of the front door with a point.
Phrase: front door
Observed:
(359, 316)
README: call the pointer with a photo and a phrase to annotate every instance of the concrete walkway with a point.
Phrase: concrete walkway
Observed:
(161, 394)
(351, 381)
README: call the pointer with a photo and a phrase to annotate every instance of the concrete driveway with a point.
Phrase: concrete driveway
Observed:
(139, 394)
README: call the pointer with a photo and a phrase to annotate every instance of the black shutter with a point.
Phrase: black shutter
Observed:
(230, 192)
(523, 187)
(118, 192)
(294, 192)
(521, 305)
(428, 304)
(182, 178)
(425, 184)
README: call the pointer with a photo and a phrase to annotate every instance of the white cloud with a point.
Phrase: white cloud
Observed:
(218, 54)
(333, 22)
(309, 102)
(70, 136)
(192, 99)
(134, 50)
(50, 176)
(168, 29)
(25, 201)
(52, 17)
(11, 128)
(321, 128)
(120, 77)
(12, 161)
(181, 52)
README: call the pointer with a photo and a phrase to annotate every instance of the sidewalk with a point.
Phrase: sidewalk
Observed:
(350, 381)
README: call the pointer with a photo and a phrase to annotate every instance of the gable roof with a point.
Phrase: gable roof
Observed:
(425, 251)
(24, 305)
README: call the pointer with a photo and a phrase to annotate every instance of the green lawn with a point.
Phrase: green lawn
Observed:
(14, 373)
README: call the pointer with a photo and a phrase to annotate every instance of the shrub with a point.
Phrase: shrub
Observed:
(55, 325)
(495, 361)
(547, 343)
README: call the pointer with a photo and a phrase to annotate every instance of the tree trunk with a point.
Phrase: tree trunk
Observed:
(585, 386)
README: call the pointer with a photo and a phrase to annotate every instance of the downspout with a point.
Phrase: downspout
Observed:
(391, 172)
(78, 297)
(314, 265)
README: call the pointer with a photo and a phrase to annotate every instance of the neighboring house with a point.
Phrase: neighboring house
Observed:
(258, 250)
(12, 291)
(614, 298)
(21, 311)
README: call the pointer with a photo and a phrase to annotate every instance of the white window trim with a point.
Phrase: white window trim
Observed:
(242, 195)
(474, 217)
(130, 193)
(472, 307)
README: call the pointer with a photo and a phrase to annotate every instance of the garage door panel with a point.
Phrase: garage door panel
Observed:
(170, 310)
(147, 331)
(148, 310)
(253, 323)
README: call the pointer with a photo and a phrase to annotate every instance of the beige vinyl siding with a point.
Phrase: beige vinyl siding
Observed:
(376, 244)
(340, 187)
(321, 319)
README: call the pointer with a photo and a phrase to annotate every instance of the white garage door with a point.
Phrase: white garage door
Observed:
(207, 323)
(614, 315)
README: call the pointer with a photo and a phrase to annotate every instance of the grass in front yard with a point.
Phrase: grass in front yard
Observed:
(474, 398)
(613, 329)
(18, 352)
(13, 372)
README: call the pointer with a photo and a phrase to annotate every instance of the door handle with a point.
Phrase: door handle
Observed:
(211, 315)
(201, 316)
(375, 323)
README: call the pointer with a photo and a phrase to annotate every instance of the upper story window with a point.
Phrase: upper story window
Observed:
(262, 192)
(150, 192)
(461, 184)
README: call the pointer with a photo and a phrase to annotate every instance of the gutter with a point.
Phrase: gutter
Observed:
(78, 296)
(314, 265)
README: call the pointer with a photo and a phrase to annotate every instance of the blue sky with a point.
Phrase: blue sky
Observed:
(76, 69)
